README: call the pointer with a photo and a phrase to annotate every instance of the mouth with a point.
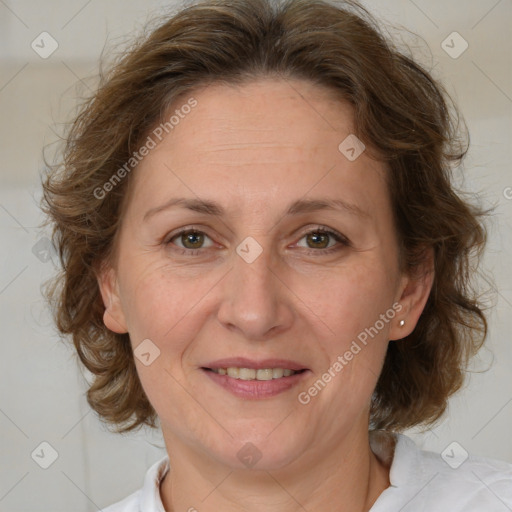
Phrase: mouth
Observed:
(255, 374)
(255, 379)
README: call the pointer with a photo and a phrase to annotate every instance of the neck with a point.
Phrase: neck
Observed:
(349, 475)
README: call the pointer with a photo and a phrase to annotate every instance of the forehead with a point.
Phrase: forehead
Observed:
(265, 114)
(268, 140)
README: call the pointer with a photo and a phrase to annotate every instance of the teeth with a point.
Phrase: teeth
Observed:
(277, 373)
(264, 374)
(247, 374)
(233, 372)
(252, 374)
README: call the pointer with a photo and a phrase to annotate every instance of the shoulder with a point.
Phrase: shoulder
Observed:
(452, 481)
(466, 481)
(146, 499)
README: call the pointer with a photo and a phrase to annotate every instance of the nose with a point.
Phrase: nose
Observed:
(255, 299)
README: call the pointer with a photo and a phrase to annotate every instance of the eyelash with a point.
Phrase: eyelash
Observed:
(338, 237)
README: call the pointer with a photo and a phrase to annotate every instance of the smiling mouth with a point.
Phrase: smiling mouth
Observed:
(261, 374)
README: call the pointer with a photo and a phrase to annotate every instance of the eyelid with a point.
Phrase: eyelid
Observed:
(186, 229)
(324, 229)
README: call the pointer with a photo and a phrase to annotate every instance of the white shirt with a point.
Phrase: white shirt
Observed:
(420, 481)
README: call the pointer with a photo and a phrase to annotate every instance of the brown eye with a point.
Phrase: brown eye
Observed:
(191, 240)
(322, 239)
(318, 240)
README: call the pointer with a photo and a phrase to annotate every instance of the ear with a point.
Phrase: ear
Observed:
(414, 292)
(113, 318)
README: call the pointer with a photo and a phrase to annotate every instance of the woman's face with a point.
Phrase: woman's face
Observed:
(251, 240)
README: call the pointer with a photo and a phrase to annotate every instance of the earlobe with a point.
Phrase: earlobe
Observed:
(113, 317)
(415, 291)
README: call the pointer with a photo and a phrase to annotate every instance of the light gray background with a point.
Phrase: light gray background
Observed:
(42, 390)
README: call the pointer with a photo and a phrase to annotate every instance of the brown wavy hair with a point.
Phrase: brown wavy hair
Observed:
(403, 115)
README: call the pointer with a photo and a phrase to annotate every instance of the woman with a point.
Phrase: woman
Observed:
(262, 249)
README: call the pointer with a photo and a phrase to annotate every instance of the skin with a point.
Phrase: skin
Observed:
(255, 149)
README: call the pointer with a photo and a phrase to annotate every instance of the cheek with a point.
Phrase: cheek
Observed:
(357, 340)
(157, 299)
(352, 298)
(162, 307)
(356, 346)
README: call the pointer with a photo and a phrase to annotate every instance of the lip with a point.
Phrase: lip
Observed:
(255, 389)
(242, 362)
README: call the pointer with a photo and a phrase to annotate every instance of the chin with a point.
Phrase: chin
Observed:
(261, 451)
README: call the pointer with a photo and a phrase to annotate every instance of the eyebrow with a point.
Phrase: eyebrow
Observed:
(296, 208)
